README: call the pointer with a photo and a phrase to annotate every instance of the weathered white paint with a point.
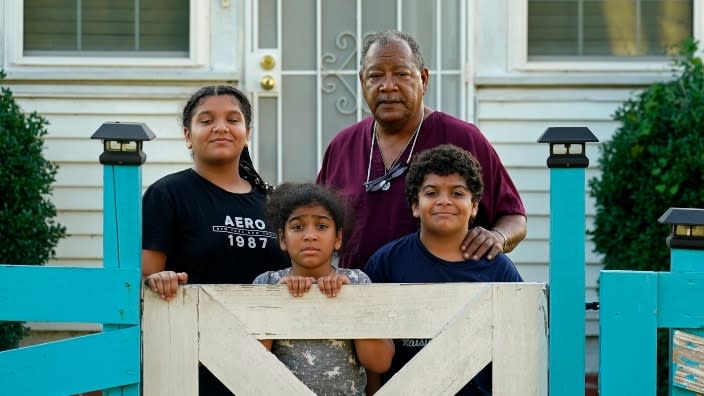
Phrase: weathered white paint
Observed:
(174, 351)
(454, 356)
(688, 356)
(471, 324)
(520, 312)
(234, 356)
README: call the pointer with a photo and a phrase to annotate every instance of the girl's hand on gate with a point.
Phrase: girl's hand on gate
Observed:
(297, 285)
(330, 285)
(165, 283)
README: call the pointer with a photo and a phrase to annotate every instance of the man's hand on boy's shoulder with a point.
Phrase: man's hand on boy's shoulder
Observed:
(480, 242)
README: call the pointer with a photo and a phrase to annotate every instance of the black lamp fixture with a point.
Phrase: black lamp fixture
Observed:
(567, 146)
(122, 142)
(686, 227)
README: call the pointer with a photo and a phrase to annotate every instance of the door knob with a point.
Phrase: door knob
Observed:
(267, 62)
(267, 82)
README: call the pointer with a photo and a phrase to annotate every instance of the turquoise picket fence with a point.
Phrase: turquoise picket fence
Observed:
(633, 304)
(109, 360)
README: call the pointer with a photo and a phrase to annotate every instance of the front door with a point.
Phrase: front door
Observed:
(302, 60)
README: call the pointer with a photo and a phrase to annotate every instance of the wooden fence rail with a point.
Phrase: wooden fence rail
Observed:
(471, 324)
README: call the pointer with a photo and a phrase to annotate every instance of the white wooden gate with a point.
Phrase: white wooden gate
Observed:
(471, 324)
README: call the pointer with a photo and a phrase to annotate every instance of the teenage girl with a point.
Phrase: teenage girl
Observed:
(207, 224)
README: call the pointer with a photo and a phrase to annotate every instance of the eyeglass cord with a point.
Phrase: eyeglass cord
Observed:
(408, 160)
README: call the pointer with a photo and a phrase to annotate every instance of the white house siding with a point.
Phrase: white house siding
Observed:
(516, 100)
(513, 118)
(75, 110)
(74, 113)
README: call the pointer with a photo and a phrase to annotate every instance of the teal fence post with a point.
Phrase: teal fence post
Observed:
(686, 242)
(122, 217)
(108, 295)
(567, 161)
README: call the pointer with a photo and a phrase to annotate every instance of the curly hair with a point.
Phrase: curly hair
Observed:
(288, 197)
(388, 36)
(444, 160)
(246, 165)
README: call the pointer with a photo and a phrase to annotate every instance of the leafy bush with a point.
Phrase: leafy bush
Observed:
(654, 161)
(29, 232)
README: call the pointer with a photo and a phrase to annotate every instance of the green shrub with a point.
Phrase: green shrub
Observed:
(654, 161)
(29, 232)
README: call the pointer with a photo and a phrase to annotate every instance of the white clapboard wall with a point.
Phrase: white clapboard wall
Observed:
(513, 117)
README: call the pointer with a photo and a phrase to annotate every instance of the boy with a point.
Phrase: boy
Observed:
(444, 186)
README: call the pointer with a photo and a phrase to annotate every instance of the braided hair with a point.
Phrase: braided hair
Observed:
(246, 166)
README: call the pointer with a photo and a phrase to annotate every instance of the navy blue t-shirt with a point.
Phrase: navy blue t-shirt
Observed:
(406, 260)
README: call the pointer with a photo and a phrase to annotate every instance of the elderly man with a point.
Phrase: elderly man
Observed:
(367, 161)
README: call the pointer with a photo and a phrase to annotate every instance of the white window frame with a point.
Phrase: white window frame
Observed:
(518, 47)
(199, 39)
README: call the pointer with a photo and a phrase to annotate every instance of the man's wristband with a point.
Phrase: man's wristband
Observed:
(502, 235)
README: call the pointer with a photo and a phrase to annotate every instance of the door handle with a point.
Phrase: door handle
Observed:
(267, 83)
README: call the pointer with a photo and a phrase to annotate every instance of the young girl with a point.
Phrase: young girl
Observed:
(310, 219)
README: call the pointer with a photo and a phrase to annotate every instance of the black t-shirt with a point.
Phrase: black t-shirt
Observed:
(213, 235)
